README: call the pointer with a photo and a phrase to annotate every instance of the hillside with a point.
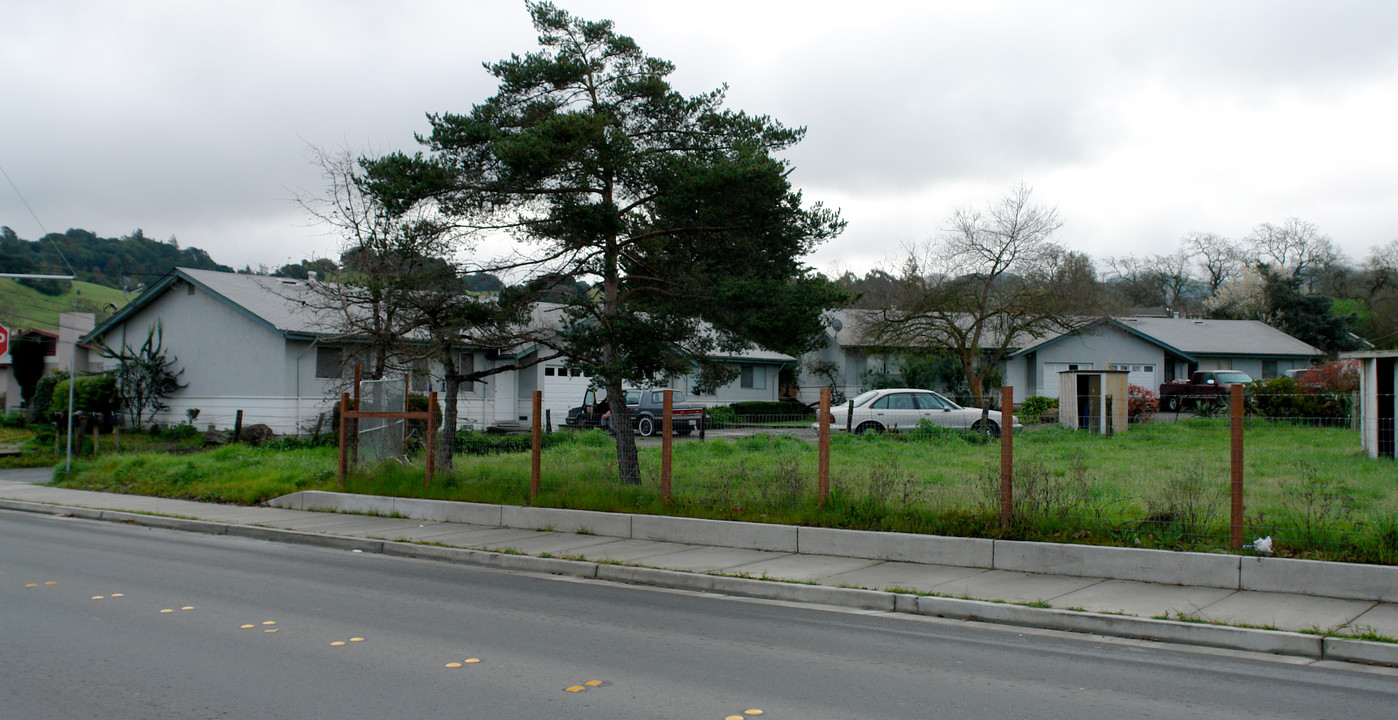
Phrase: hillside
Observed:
(114, 262)
(24, 308)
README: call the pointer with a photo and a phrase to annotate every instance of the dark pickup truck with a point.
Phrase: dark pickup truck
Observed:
(1203, 387)
(647, 408)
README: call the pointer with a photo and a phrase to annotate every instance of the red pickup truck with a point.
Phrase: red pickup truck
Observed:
(1205, 386)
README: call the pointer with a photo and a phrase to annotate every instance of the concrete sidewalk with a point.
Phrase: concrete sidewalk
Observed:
(1204, 599)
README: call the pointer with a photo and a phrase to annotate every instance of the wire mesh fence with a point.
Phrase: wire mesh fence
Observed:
(1164, 480)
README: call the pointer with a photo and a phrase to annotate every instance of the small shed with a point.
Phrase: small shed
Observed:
(1084, 397)
(1378, 374)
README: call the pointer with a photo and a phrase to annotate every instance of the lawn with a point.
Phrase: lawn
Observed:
(1159, 485)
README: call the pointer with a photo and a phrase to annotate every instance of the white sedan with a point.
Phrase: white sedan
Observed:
(904, 408)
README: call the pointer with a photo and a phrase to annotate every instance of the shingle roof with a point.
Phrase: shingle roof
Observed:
(1221, 337)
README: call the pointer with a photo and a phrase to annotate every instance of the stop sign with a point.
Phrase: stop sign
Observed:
(4, 340)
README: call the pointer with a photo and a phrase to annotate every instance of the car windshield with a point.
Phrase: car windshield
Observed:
(863, 398)
(1234, 377)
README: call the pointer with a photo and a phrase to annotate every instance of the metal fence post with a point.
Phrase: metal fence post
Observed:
(849, 417)
(1007, 456)
(344, 437)
(536, 447)
(431, 462)
(823, 456)
(1236, 464)
(1109, 417)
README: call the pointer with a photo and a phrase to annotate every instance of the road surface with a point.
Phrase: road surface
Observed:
(110, 621)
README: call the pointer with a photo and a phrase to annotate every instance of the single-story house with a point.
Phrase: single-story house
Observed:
(1154, 350)
(263, 345)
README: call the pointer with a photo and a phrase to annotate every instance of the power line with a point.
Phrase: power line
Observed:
(24, 202)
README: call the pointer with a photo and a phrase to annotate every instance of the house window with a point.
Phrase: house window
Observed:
(549, 371)
(465, 365)
(420, 381)
(188, 289)
(752, 378)
(330, 362)
(1269, 369)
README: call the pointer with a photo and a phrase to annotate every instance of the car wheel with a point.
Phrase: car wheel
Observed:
(645, 427)
(1172, 403)
(987, 428)
(868, 427)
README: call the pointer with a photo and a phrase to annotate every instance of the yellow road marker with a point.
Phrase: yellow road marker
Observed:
(32, 585)
(337, 643)
(575, 689)
(51, 582)
(246, 627)
(167, 610)
(453, 665)
(473, 660)
(118, 594)
(187, 607)
(356, 639)
(96, 597)
(593, 683)
(270, 622)
(752, 712)
(735, 717)
(270, 630)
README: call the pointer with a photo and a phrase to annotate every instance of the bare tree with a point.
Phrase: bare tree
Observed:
(991, 281)
(1217, 258)
(1295, 247)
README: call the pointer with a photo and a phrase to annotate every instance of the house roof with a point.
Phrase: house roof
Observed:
(294, 308)
(1190, 338)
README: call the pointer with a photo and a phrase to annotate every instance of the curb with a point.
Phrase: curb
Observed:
(1277, 642)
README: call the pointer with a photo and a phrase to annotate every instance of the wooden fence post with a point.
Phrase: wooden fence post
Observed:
(238, 427)
(1007, 455)
(1236, 463)
(667, 427)
(431, 463)
(344, 437)
(823, 453)
(536, 447)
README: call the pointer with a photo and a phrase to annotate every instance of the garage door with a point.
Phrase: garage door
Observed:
(1143, 375)
(563, 390)
(1051, 370)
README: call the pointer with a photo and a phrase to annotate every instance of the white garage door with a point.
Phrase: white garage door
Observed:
(1143, 375)
(1051, 370)
(563, 390)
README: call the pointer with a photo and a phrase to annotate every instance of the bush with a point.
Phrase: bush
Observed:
(756, 410)
(180, 432)
(1283, 398)
(1141, 403)
(41, 403)
(13, 419)
(1035, 406)
(470, 442)
(91, 394)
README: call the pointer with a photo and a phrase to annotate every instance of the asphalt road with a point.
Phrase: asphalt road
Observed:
(108, 621)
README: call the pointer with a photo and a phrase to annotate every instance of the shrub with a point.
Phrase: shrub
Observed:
(470, 442)
(1337, 376)
(756, 410)
(1284, 398)
(1035, 406)
(181, 432)
(91, 393)
(41, 404)
(1141, 403)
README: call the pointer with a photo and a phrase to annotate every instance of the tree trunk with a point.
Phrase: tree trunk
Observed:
(446, 434)
(628, 462)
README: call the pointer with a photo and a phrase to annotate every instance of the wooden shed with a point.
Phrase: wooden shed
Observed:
(1378, 374)
(1084, 397)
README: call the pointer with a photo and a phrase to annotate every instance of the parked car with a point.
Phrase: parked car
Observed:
(1202, 388)
(647, 408)
(904, 408)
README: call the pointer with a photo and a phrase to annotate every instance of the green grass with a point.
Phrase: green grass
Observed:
(25, 307)
(1160, 485)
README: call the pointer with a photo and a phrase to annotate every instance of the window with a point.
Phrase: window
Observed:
(420, 382)
(1269, 369)
(752, 377)
(330, 362)
(549, 371)
(928, 401)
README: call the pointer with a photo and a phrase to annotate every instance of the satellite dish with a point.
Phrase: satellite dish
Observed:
(837, 325)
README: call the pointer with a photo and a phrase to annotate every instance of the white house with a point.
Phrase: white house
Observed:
(261, 345)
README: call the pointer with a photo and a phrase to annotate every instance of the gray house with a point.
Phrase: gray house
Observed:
(262, 345)
(1153, 350)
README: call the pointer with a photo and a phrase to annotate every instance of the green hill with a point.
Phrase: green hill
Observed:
(24, 308)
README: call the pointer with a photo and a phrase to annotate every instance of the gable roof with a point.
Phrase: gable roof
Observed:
(1190, 338)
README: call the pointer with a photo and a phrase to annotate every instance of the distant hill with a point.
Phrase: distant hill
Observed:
(24, 308)
(113, 262)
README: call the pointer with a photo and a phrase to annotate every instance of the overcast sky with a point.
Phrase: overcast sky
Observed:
(1139, 121)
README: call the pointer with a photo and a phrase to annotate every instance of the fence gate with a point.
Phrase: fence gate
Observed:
(375, 423)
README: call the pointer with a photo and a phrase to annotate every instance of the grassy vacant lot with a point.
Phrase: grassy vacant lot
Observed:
(1159, 485)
